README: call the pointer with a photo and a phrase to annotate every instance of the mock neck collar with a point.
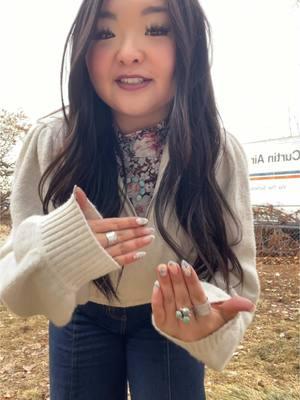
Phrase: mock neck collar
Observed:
(158, 128)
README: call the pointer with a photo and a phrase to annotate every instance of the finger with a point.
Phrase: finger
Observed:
(90, 212)
(193, 284)
(80, 197)
(128, 234)
(130, 258)
(116, 224)
(167, 292)
(230, 308)
(123, 236)
(157, 305)
(129, 246)
(182, 298)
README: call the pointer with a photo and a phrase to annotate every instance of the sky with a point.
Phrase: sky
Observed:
(255, 65)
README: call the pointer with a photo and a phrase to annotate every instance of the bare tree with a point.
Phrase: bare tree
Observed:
(13, 127)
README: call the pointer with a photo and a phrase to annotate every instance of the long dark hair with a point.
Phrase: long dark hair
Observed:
(189, 182)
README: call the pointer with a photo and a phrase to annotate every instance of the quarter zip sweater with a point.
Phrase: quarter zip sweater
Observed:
(48, 263)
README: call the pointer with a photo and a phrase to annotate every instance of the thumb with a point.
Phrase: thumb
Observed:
(231, 307)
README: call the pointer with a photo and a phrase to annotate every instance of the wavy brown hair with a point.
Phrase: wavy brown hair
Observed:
(91, 148)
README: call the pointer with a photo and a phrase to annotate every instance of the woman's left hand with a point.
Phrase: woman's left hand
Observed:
(180, 287)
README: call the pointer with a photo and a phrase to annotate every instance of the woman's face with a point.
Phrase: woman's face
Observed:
(131, 61)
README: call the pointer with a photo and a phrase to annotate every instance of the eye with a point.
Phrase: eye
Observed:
(103, 34)
(157, 30)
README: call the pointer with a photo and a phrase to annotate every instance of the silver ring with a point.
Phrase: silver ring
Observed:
(111, 237)
(201, 310)
(184, 314)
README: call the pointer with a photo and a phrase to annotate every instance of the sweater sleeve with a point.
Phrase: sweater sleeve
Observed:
(47, 262)
(217, 349)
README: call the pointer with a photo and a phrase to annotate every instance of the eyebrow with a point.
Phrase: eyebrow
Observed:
(154, 10)
(146, 11)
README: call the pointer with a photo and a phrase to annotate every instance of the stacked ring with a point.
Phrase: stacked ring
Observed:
(184, 314)
(201, 310)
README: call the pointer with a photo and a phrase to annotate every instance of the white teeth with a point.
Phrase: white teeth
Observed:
(132, 81)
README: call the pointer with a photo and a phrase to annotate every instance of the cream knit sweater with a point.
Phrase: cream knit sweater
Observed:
(49, 261)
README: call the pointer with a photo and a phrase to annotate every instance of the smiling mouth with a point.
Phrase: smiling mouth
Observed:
(133, 81)
(133, 84)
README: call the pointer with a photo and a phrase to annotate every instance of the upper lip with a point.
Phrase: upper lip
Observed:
(131, 76)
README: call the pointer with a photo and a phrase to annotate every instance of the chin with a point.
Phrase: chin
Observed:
(135, 111)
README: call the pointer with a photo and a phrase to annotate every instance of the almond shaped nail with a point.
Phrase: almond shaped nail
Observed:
(173, 267)
(142, 221)
(186, 268)
(149, 231)
(139, 255)
(162, 269)
(156, 285)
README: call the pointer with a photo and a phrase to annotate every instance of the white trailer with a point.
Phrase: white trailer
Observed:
(274, 169)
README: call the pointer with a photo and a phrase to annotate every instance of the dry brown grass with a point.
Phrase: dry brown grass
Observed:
(265, 367)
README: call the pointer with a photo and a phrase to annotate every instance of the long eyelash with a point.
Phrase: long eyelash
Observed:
(153, 30)
(103, 32)
(157, 30)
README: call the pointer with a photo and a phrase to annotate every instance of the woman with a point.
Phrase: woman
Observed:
(133, 199)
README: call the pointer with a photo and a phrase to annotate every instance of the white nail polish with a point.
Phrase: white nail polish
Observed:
(162, 270)
(149, 231)
(172, 263)
(75, 191)
(173, 267)
(148, 239)
(139, 255)
(142, 221)
(186, 268)
(156, 285)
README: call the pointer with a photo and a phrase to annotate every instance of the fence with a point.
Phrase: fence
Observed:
(277, 233)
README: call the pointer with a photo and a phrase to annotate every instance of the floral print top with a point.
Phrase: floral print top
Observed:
(142, 151)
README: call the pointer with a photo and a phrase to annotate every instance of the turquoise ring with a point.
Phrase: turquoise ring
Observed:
(184, 314)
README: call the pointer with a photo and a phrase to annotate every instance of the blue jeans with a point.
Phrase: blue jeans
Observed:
(102, 348)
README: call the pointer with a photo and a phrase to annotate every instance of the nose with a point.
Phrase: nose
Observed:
(130, 53)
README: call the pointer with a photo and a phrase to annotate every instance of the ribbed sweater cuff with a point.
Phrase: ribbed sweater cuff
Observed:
(74, 254)
(215, 350)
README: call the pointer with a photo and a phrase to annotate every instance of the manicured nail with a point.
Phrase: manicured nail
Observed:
(156, 285)
(139, 255)
(148, 239)
(148, 231)
(74, 191)
(162, 269)
(142, 221)
(186, 268)
(173, 266)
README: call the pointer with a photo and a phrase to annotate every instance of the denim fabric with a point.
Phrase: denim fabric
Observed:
(102, 348)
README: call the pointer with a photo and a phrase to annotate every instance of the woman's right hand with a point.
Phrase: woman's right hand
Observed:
(132, 234)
